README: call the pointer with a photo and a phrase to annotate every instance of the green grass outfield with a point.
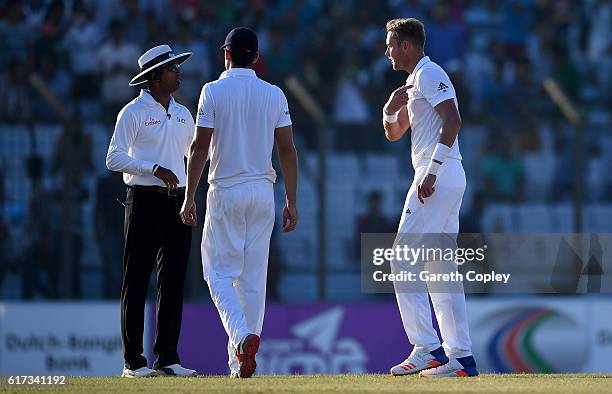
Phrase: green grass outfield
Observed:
(569, 383)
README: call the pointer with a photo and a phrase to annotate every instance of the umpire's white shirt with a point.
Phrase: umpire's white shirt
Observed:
(243, 110)
(431, 87)
(146, 134)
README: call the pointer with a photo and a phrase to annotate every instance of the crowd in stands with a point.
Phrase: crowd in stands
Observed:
(516, 143)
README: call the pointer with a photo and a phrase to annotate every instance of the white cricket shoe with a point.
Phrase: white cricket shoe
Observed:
(144, 372)
(176, 370)
(419, 361)
(456, 367)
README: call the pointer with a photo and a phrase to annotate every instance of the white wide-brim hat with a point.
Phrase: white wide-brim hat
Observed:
(155, 57)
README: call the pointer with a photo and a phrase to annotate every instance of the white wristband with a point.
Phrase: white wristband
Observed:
(390, 118)
(433, 167)
(440, 153)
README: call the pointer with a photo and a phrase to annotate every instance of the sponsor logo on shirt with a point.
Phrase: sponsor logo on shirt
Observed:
(180, 120)
(152, 122)
(442, 87)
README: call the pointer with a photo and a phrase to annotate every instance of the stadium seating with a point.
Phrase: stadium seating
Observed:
(349, 179)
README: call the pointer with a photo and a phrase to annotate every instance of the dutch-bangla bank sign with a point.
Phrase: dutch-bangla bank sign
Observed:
(60, 339)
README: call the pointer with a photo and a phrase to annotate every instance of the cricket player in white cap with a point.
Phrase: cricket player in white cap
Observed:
(239, 118)
(427, 105)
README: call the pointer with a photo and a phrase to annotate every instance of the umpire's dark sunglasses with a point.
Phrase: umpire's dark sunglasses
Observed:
(174, 67)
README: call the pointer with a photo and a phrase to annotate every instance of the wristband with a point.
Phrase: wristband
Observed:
(440, 153)
(433, 167)
(390, 118)
(154, 168)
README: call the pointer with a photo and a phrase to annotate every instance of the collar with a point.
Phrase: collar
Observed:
(238, 72)
(421, 63)
(148, 99)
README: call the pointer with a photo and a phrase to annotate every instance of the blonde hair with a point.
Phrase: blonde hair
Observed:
(408, 29)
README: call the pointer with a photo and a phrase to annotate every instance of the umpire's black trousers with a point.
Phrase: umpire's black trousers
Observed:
(154, 233)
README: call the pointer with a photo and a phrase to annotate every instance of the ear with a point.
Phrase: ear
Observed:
(256, 58)
(227, 54)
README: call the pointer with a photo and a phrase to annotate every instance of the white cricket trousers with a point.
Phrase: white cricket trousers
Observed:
(438, 215)
(235, 246)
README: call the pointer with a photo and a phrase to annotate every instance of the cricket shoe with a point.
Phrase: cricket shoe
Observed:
(419, 361)
(144, 372)
(245, 353)
(456, 367)
(176, 370)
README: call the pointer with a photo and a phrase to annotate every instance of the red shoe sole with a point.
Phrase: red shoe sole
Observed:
(248, 366)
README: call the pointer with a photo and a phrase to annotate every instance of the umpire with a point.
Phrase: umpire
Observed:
(152, 135)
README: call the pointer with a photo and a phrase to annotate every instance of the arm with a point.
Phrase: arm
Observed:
(288, 161)
(117, 158)
(198, 152)
(451, 123)
(395, 131)
(397, 105)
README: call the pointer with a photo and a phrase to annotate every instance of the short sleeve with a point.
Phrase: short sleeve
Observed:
(284, 118)
(435, 85)
(206, 109)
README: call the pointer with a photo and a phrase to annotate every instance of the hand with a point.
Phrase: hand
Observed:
(167, 176)
(426, 188)
(397, 100)
(290, 218)
(188, 212)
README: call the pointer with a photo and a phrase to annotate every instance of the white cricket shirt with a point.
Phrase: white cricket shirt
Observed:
(431, 87)
(145, 135)
(243, 110)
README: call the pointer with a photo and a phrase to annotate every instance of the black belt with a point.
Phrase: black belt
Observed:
(179, 191)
